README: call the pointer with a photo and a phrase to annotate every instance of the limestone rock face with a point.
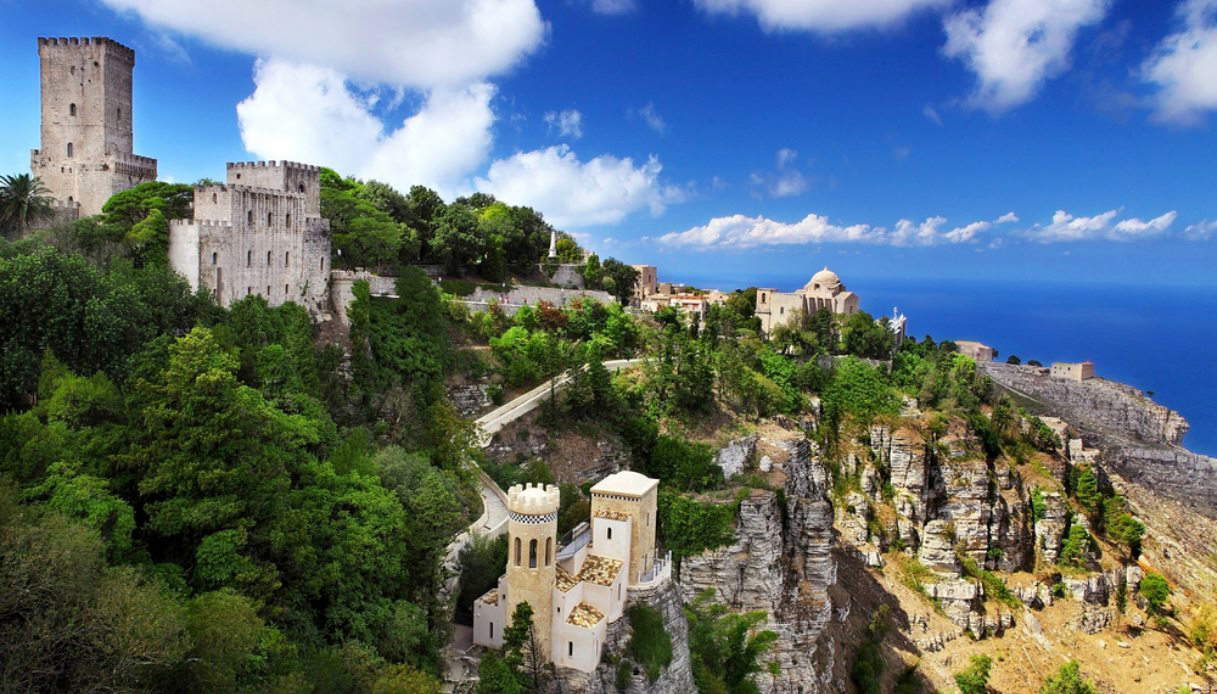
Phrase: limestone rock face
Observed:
(747, 574)
(734, 457)
(785, 569)
(937, 548)
(470, 399)
(1050, 530)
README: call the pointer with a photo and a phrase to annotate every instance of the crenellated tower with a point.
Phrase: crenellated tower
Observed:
(532, 536)
(87, 149)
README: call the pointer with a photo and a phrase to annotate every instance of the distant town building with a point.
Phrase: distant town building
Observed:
(260, 233)
(576, 590)
(1072, 371)
(86, 154)
(646, 284)
(976, 351)
(823, 291)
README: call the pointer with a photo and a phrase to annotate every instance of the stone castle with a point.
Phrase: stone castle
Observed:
(575, 590)
(260, 233)
(87, 152)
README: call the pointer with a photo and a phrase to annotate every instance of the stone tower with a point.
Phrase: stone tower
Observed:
(532, 529)
(87, 146)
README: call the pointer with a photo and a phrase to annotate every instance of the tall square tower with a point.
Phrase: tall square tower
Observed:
(86, 154)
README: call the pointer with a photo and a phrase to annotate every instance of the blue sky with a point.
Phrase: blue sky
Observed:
(747, 140)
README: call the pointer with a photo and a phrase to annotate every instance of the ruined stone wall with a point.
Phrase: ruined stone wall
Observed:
(1096, 404)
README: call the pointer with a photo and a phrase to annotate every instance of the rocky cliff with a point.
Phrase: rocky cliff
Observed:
(783, 563)
(1139, 438)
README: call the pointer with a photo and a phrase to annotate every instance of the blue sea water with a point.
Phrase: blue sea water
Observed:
(1160, 339)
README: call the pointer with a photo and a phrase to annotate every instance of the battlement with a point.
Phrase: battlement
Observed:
(533, 499)
(215, 223)
(77, 41)
(273, 164)
(242, 188)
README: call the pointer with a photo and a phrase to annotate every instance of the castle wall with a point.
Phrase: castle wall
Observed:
(254, 241)
(286, 176)
(86, 152)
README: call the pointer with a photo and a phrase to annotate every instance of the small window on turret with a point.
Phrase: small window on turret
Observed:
(610, 533)
(286, 258)
(70, 149)
(301, 187)
(71, 109)
(249, 258)
(268, 265)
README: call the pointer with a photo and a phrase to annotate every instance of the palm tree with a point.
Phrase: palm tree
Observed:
(23, 201)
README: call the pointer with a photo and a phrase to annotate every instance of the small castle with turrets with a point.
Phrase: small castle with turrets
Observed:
(575, 589)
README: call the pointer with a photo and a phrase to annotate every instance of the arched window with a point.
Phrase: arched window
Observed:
(285, 291)
(71, 109)
(549, 549)
(532, 553)
(268, 291)
(321, 263)
(214, 198)
(214, 256)
(286, 258)
(269, 219)
(301, 187)
(249, 217)
(517, 551)
(119, 112)
(287, 220)
(268, 263)
(249, 258)
(70, 149)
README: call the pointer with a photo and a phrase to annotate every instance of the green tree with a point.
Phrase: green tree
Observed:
(1076, 547)
(457, 243)
(1067, 680)
(619, 280)
(974, 679)
(1086, 489)
(1156, 592)
(725, 647)
(864, 337)
(650, 644)
(24, 200)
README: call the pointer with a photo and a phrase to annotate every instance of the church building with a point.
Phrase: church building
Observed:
(823, 291)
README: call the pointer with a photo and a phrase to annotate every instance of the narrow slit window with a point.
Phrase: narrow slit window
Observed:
(286, 258)
(492, 630)
(549, 548)
(268, 258)
(214, 257)
(570, 649)
(71, 109)
(269, 219)
(517, 551)
(287, 220)
(610, 533)
(70, 150)
(532, 554)
(249, 217)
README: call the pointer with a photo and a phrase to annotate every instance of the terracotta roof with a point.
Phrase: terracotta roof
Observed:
(491, 597)
(613, 515)
(565, 581)
(600, 570)
(584, 615)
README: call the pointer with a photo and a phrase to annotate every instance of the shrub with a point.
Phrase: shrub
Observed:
(650, 645)
(974, 679)
(1076, 548)
(1156, 592)
(624, 676)
(683, 464)
(1067, 680)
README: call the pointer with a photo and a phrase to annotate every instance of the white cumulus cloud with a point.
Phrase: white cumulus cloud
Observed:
(568, 122)
(575, 193)
(308, 113)
(421, 43)
(825, 16)
(742, 232)
(1184, 65)
(1067, 227)
(1201, 231)
(1013, 46)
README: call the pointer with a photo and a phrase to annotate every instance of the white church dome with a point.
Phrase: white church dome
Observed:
(824, 278)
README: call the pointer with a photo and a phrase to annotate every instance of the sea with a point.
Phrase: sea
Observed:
(1162, 340)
